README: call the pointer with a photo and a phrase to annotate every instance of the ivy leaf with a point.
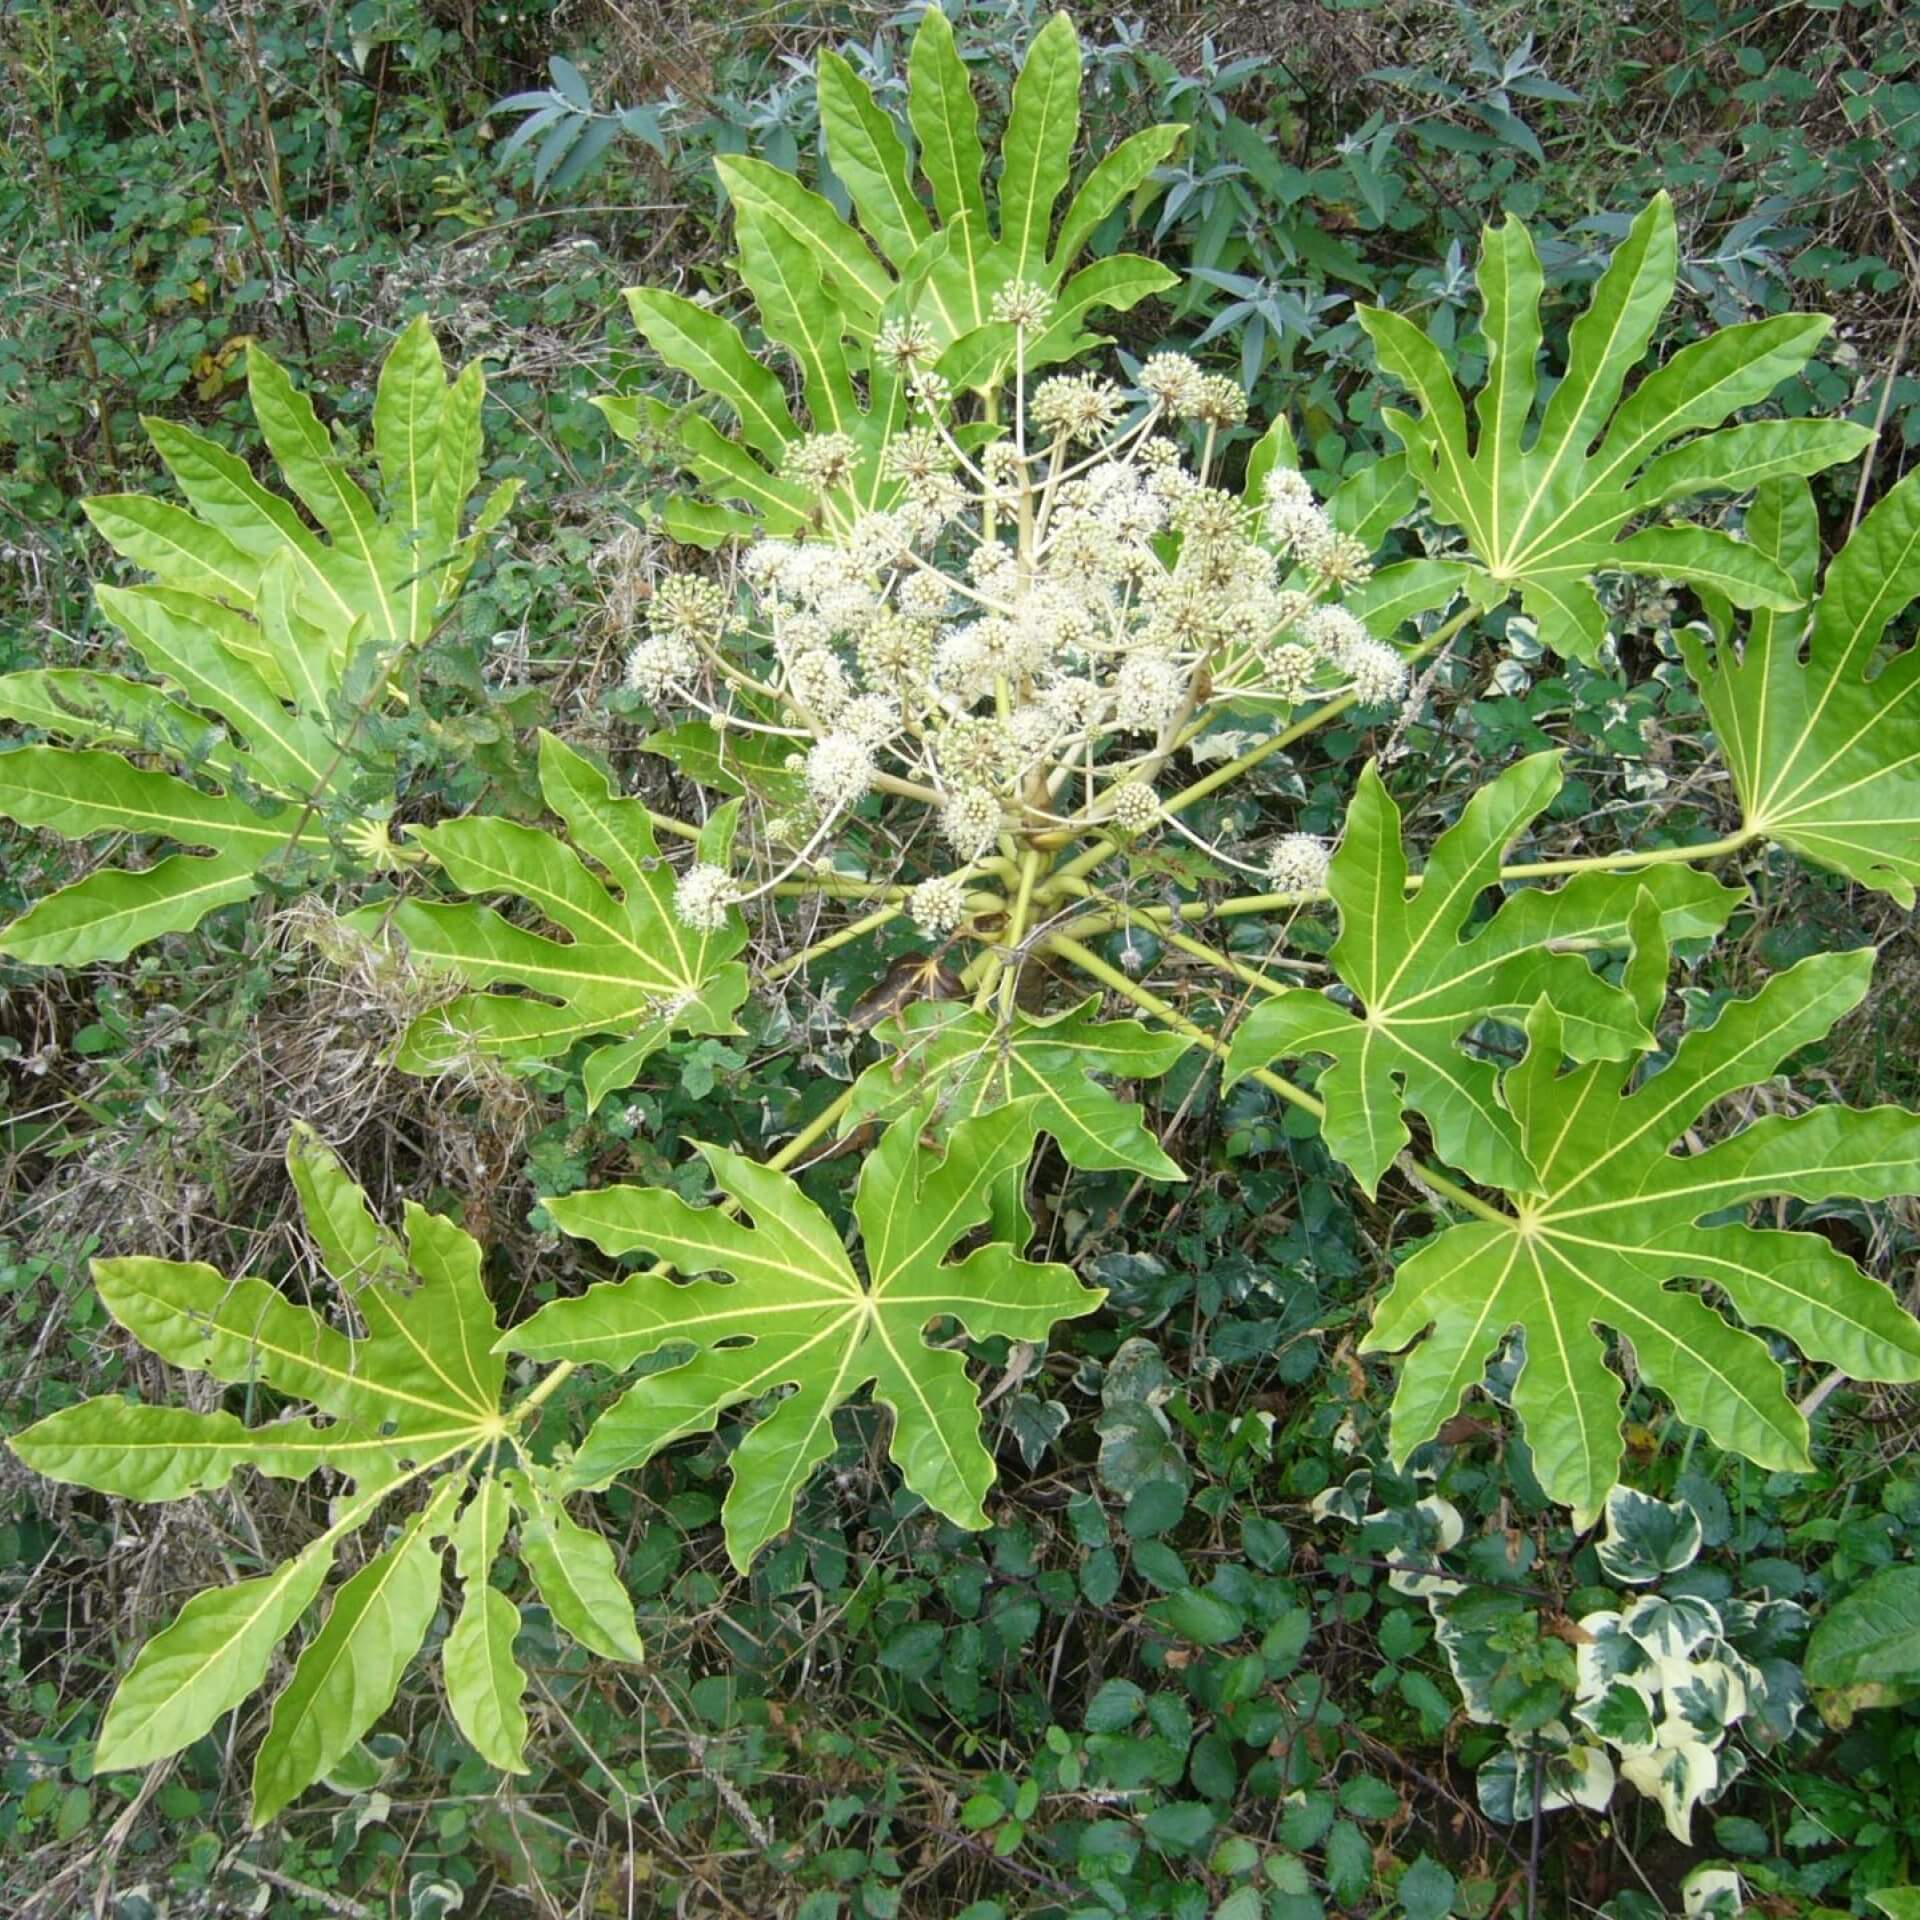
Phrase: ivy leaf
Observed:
(797, 1315)
(251, 631)
(413, 1396)
(628, 966)
(1824, 752)
(1424, 980)
(1544, 510)
(954, 1063)
(1612, 1220)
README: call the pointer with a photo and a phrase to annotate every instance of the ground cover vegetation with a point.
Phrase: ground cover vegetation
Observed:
(957, 962)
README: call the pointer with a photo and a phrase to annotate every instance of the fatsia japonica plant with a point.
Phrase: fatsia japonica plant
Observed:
(989, 645)
(270, 637)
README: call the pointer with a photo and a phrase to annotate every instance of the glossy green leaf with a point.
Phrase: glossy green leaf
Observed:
(1544, 507)
(627, 967)
(1825, 750)
(1424, 976)
(1612, 1220)
(484, 1685)
(348, 1673)
(825, 287)
(1037, 149)
(573, 1567)
(796, 1313)
(412, 1396)
(250, 631)
(964, 1063)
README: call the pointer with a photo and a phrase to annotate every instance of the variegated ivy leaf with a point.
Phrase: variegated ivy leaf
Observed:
(797, 1315)
(1613, 1220)
(1546, 505)
(628, 967)
(410, 1400)
(825, 287)
(966, 1063)
(1825, 750)
(1421, 976)
(1645, 1538)
(263, 637)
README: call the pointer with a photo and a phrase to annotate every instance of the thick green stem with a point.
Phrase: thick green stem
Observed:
(1017, 930)
(1068, 884)
(1117, 982)
(817, 1128)
(844, 937)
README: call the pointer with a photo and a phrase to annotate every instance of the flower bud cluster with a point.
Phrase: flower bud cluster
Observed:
(1019, 620)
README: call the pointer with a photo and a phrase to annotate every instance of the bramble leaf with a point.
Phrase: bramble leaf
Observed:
(1544, 510)
(1424, 977)
(796, 1314)
(628, 967)
(1613, 1219)
(413, 1396)
(1825, 752)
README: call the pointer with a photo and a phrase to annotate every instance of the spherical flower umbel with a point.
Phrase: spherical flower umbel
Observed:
(1132, 806)
(1175, 381)
(1298, 864)
(658, 664)
(702, 898)
(1378, 674)
(1079, 405)
(1221, 401)
(937, 906)
(839, 771)
(970, 820)
(822, 461)
(688, 606)
(1023, 305)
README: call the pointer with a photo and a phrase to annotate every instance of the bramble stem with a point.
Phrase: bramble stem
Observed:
(1117, 982)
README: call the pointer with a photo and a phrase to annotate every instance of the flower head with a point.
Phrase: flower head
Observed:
(839, 771)
(1378, 674)
(1133, 806)
(970, 820)
(702, 898)
(938, 905)
(1298, 864)
(1024, 306)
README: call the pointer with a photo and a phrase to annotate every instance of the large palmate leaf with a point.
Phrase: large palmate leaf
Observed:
(1424, 976)
(1825, 752)
(628, 967)
(1613, 1218)
(1544, 506)
(412, 1398)
(262, 637)
(966, 1063)
(825, 286)
(796, 1315)
(385, 572)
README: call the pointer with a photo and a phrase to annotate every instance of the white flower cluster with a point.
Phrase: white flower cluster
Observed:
(1020, 625)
